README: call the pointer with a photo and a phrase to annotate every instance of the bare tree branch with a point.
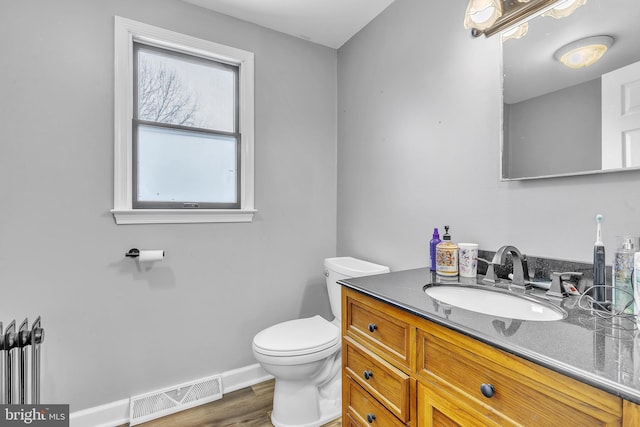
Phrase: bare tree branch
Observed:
(163, 98)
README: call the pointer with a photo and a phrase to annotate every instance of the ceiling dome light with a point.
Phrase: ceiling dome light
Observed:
(564, 9)
(482, 14)
(584, 52)
(516, 32)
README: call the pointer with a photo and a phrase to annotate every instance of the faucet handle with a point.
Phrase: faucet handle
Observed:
(525, 268)
(557, 289)
(490, 277)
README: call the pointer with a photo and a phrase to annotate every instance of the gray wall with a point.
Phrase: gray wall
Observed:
(562, 128)
(418, 147)
(112, 329)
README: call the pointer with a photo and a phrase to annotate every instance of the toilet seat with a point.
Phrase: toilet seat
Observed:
(297, 337)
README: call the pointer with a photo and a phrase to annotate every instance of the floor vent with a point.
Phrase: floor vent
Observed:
(173, 399)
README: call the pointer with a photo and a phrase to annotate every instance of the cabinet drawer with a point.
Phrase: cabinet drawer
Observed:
(389, 385)
(365, 410)
(523, 391)
(438, 408)
(348, 421)
(385, 334)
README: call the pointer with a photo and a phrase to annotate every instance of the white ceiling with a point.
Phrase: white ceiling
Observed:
(327, 22)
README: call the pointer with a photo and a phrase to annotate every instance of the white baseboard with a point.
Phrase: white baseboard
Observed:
(117, 413)
(108, 415)
(243, 377)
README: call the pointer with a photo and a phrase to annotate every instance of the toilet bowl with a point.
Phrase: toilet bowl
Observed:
(304, 355)
(301, 370)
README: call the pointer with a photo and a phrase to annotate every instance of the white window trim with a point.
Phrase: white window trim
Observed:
(126, 31)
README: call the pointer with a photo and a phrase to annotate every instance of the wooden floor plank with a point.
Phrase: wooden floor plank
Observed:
(247, 407)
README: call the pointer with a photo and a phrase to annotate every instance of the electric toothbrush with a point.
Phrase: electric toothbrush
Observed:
(599, 281)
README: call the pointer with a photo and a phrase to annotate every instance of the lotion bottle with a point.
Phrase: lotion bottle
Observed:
(446, 256)
(435, 239)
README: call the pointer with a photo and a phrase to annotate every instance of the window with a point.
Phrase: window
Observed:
(183, 128)
(185, 131)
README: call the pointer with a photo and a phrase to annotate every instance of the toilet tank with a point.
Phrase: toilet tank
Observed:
(343, 268)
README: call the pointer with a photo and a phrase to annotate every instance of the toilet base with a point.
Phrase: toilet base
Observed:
(307, 406)
(329, 411)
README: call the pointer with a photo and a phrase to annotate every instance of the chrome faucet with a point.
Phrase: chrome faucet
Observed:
(520, 281)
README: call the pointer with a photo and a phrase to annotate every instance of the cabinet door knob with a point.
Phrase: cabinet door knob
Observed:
(371, 418)
(487, 390)
(367, 374)
(372, 327)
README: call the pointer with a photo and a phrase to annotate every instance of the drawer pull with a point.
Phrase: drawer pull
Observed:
(372, 327)
(371, 418)
(367, 374)
(487, 390)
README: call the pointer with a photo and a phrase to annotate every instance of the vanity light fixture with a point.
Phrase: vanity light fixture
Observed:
(490, 17)
(564, 9)
(482, 14)
(584, 52)
(516, 32)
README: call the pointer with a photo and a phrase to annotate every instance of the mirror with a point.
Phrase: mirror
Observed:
(559, 121)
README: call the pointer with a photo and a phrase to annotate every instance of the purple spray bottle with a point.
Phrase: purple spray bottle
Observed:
(435, 239)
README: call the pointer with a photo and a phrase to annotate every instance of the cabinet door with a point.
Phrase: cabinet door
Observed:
(439, 409)
(630, 414)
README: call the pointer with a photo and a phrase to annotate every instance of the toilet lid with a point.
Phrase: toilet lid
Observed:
(296, 337)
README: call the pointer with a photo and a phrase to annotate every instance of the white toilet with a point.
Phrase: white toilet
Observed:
(304, 355)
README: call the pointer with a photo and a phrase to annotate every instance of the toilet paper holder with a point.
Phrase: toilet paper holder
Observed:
(145, 255)
(133, 253)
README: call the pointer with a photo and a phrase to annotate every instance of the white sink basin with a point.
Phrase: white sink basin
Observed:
(495, 303)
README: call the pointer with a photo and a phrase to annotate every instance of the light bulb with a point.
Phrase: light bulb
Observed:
(564, 9)
(482, 14)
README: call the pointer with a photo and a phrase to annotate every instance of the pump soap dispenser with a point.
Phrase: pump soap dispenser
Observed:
(446, 256)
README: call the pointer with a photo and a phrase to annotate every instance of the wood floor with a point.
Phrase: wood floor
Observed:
(249, 407)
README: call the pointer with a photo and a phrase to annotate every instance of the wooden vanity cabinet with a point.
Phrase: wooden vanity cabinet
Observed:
(400, 369)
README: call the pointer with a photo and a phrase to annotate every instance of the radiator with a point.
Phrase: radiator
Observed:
(20, 362)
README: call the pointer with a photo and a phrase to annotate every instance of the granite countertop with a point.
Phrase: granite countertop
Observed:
(604, 353)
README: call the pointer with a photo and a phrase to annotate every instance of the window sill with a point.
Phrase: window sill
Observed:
(175, 216)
